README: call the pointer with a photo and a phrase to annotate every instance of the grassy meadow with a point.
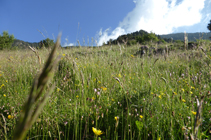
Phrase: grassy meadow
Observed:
(109, 93)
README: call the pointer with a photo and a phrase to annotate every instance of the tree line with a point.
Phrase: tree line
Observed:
(7, 40)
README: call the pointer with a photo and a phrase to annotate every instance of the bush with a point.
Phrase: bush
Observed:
(6, 40)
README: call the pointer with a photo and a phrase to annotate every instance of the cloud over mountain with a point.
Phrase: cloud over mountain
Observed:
(158, 16)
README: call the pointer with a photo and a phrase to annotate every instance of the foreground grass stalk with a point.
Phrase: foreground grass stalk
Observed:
(35, 102)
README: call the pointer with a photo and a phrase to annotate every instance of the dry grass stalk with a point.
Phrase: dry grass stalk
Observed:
(36, 53)
(120, 48)
(119, 82)
(35, 102)
(198, 118)
(125, 41)
(185, 40)
(4, 126)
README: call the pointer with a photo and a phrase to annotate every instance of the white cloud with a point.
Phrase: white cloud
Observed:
(134, 1)
(67, 44)
(158, 16)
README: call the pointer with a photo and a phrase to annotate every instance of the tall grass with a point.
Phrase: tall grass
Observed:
(120, 95)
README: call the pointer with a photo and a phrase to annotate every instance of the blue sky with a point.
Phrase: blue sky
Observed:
(100, 19)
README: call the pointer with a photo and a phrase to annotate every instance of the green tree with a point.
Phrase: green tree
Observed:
(6, 40)
(209, 26)
(46, 43)
(147, 37)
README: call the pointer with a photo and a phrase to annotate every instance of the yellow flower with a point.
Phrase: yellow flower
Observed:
(57, 89)
(132, 55)
(116, 118)
(63, 54)
(119, 75)
(192, 87)
(6, 81)
(194, 113)
(175, 93)
(191, 92)
(93, 98)
(141, 116)
(160, 96)
(9, 117)
(152, 93)
(99, 82)
(97, 132)
(104, 89)
(159, 138)
(112, 99)
(77, 96)
(183, 100)
(183, 90)
(4, 95)
(76, 58)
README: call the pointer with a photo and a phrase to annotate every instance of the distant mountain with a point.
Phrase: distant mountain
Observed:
(23, 45)
(191, 36)
(176, 36)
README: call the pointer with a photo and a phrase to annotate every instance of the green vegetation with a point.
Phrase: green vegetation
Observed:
(46, 43)
(6, 40)
(209, 26)
(109, 93)
(143, 36)
(146, 38)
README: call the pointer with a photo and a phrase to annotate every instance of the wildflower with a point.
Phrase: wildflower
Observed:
(183, 90)
(183, 100)
(6, 81)
(97, 132)
(104, 89)
(95, 90)
(192, 87)
(57, 89)
(77, 96)
(112, 99)
(160, 96)
(194, 113)
(4, 95)
(141, 116)
(191, 92)
(152, 93)
(63, 54)
(76, 58)
(99, 82)
(9, 117)
(119, 75)
(132, 55)
(93, 98)
(116, 118)
(175, 93)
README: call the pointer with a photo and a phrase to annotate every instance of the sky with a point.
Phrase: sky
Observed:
(93, 22)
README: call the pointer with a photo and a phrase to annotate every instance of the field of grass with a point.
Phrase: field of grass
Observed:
(108, 93)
